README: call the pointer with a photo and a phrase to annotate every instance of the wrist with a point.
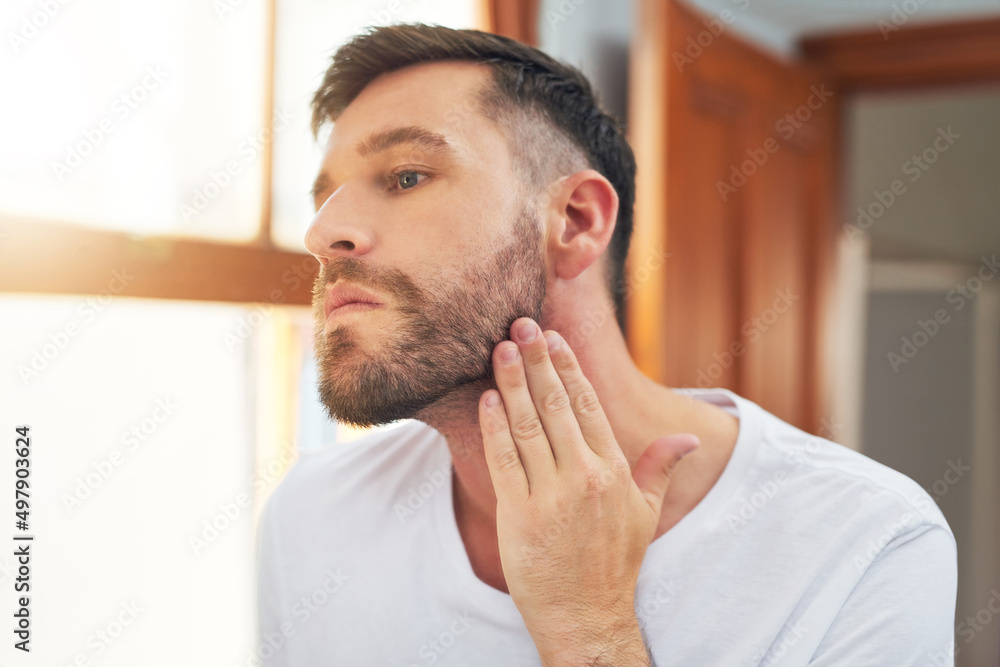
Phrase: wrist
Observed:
(611, 642)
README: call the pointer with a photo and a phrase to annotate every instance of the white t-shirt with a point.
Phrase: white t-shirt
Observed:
(803, 553)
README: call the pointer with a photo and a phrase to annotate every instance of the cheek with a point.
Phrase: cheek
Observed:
(483, 204)
(445, 271)
(441, 238)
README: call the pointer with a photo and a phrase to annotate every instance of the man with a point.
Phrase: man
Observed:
(473, 213)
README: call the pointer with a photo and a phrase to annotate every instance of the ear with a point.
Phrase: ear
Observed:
(581, 215)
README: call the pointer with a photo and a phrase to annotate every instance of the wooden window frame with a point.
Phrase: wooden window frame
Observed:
(54, 257)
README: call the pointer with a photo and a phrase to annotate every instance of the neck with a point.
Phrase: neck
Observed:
(638, 409)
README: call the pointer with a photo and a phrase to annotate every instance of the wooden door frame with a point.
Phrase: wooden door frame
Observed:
(659, 79)
(894, 58)
(942, 54)
(517, 19)
(904, 57)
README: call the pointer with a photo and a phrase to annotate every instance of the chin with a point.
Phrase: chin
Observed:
(364, 393)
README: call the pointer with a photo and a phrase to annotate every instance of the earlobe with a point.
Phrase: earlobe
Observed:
(583, 215)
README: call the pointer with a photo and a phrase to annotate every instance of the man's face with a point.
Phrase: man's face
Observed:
(418, 204)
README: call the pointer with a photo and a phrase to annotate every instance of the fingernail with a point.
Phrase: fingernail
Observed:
(554, 340)
(492, 400)
(528, 331)
(696, 445)
(509, 355)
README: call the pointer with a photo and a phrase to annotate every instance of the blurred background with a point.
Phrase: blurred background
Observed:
(824, 176)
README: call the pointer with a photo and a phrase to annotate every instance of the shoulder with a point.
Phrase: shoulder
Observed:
(790, 480)
(842, 475)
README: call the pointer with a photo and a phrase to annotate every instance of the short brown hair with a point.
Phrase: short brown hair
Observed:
(557, 99)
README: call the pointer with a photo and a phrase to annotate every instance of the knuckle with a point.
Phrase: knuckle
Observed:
(555, 402)
(514, 378)
(564, 362)
(507, 458)
(495, 426)
(527, 428)
(618, 467)
(565, 514)
(586, 402)
(594, 480)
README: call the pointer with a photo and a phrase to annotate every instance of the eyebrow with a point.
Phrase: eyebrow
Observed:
(383, 140)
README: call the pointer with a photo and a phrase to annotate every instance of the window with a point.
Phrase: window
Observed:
(139, 118)
(154, 293)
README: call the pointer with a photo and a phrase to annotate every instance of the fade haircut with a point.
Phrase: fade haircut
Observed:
(548, 111)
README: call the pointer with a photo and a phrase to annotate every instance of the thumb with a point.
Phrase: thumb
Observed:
(653, 469)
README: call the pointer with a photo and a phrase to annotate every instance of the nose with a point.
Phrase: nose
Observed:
(339, 229)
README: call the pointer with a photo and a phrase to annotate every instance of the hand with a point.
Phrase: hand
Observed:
(573, 521)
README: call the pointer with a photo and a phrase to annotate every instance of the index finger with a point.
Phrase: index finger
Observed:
(590, 415)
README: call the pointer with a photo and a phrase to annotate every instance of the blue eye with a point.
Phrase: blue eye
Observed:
(405, 180)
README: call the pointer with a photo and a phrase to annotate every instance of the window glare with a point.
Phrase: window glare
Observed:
(141, 428)
(141, 117)
(308, 33)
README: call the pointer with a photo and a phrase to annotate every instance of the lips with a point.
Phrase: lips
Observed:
(342, 295)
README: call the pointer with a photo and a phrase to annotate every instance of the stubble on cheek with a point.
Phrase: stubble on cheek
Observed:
(436, 339)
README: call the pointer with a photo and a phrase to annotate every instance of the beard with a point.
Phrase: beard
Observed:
(444, 338)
